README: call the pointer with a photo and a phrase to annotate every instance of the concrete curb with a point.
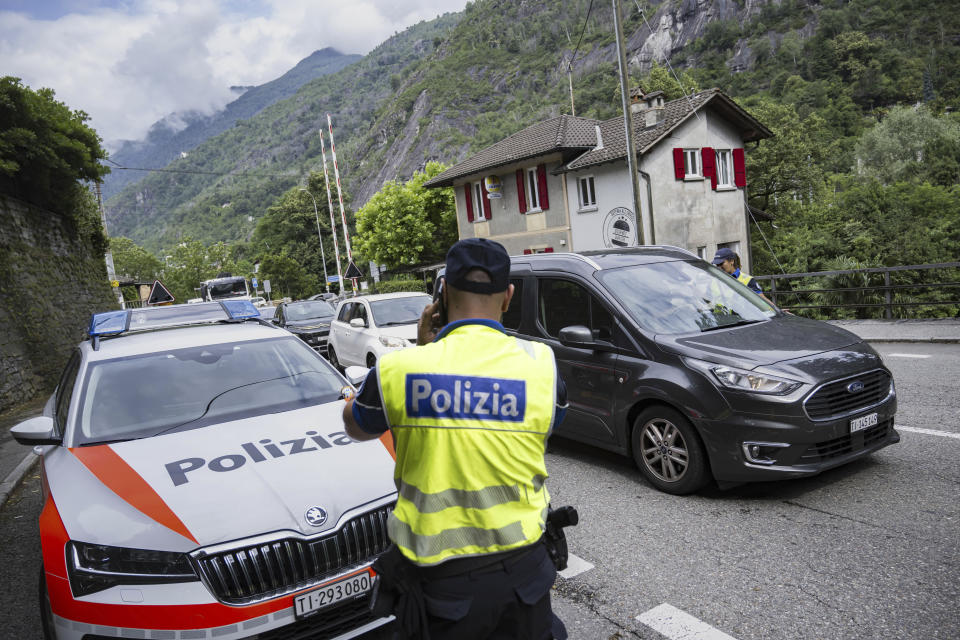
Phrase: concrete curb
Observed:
(13, 480)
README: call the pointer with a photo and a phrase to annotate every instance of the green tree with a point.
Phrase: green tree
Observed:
(134, 261)
(45, 148)
(287, 277)
(660, 79)
(911, 144)
(407, 224)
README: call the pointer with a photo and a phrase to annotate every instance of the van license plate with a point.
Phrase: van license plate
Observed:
(861, 423)
(331, 593)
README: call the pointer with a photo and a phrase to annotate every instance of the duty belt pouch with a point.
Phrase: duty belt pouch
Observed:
(397, 591)
(554, 538)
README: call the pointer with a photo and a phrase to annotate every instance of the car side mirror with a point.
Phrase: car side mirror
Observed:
(356, 375)
(36, 431)
(580, 337)
(358, 323)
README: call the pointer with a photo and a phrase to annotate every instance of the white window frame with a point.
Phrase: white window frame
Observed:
(587, 193)
(479, 214)
(691, 160)
(702, 252)
(724, 169)
(533, 191)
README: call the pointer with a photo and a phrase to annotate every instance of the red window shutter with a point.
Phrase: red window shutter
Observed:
(709, 165)
(739, 168)
(679, 172)
(521, 192)
(486, 201)
(527, 252)
(542, 185)
(468, 192)
(548, 250)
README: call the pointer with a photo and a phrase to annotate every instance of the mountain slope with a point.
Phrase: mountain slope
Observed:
(445, 88)
(168, 138)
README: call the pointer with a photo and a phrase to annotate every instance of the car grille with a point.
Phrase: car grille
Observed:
(257, 572)
(328, 623)
(833, 400)
(850, 443)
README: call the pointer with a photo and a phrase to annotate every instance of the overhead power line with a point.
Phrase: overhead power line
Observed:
(206, 173)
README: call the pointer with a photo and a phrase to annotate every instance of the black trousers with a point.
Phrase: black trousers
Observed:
(508, 600)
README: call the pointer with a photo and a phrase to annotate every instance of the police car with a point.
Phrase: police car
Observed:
(198, 483)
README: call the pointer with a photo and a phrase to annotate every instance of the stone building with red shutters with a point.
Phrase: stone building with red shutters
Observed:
(562, 184)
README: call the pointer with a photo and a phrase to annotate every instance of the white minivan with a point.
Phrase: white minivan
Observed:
(366, 327)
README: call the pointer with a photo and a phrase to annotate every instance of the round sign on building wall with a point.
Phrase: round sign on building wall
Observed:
(619, 228)
(494, 187)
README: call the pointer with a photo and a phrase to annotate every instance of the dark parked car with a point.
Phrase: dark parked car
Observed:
(308, 319)
(670, 360)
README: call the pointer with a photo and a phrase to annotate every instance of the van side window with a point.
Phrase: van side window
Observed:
(511, 319)
(65, 392)
(562, 303)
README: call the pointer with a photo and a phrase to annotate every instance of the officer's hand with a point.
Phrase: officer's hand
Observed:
(429, 324)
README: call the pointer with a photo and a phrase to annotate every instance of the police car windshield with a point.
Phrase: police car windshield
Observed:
(684, 297)
(145, 395)
(394, 311)
(309, 310)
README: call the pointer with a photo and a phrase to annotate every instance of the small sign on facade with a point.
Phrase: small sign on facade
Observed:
(494, 187)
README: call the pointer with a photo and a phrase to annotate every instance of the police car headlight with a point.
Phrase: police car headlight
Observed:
(393, 343)
(95, 567)
(746, 380)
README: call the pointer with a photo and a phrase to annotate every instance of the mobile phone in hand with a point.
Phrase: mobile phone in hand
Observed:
(442, 308)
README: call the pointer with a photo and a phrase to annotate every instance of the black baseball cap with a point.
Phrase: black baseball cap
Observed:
(722, 255)
(478, 253)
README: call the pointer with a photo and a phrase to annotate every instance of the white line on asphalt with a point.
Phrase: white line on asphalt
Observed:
(679, 625)
(929, 432)
(575, 566)
(907, 355)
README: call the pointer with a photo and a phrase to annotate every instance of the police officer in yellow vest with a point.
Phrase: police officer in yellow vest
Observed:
(727, 260)
(470, 410)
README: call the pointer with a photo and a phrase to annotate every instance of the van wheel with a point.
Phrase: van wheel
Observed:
(371, 361)
(332, 357)
(46, 613)
(668, 451)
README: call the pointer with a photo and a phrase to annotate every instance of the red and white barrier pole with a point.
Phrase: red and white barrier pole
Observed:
(336, 174)
(333, 224)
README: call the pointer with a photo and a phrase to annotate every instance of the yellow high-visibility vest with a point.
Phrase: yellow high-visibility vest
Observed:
(470, 414)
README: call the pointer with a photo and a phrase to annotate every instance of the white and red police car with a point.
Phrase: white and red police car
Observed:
(198, 484)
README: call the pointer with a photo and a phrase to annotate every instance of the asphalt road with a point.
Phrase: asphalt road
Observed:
(870, 550)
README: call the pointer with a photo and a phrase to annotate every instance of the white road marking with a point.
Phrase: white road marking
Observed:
(907, 355)
(929, 432)
(675, 624)
(575, 566)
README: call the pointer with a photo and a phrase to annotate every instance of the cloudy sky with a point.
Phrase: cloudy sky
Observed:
(128, 63)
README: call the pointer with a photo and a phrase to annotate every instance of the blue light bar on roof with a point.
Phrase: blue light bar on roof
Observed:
(109, 323)
(240, 309)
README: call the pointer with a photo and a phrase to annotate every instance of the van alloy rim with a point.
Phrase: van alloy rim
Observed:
(664, 450)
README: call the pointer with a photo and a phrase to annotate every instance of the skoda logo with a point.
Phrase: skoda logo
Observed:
(315, 516)
(855, 387)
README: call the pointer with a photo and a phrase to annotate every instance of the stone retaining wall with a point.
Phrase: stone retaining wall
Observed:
(50, 283)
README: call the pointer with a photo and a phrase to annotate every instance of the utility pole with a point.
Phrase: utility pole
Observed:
(323, 258)
(573, 111)
(108, 256)
(628, 126)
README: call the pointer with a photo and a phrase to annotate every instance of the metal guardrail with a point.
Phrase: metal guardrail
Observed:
(787, 297)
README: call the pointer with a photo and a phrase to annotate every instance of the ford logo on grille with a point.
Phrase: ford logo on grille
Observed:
(855, 387)
(315, 516)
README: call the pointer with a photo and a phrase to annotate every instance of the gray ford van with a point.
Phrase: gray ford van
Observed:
(670, 360)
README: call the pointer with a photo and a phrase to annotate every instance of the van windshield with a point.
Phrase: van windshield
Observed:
(684, 297)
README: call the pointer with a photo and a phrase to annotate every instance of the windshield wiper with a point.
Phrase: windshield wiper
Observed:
(738, 323)
(91, 444)
(396, 322)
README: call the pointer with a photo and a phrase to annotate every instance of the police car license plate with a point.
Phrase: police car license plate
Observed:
(331, 593)
(858, 424)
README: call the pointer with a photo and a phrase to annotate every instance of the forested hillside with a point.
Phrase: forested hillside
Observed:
(180, 133)
(821, 74)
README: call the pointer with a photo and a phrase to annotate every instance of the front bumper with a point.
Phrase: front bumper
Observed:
(803, 447)
(316, 341)
(272, 620)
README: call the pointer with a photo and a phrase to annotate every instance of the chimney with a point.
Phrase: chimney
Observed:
(637, 105)
(653, 111)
